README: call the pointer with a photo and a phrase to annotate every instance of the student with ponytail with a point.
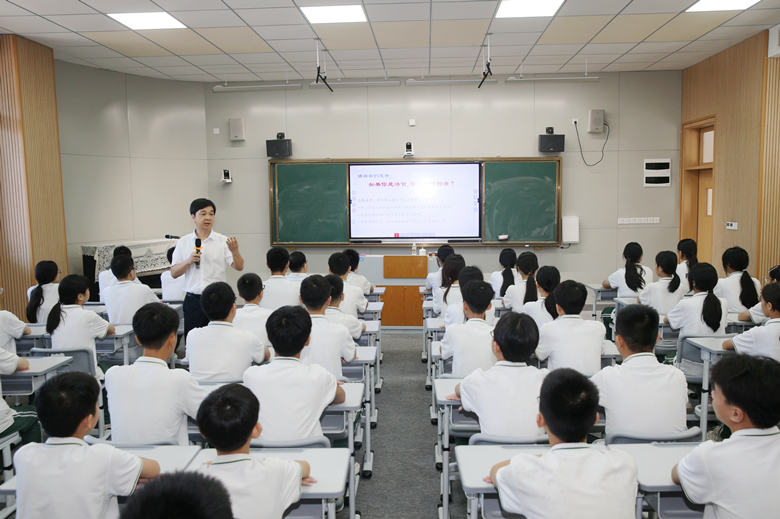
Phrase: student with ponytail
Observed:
(738, 288)
(434, 279)
(668, 290)
(686, 253)
(704, 313)
(43, 296)
(449, 291)
(501, 280)
(70, 325)
(762, 340)
(524, 290)
(631, 279)
(543, 309)
(756, 313)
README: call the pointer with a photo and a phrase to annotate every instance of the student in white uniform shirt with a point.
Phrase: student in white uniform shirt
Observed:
(572, 479)
(107, 279)
(738, 288)
(686, 253)
(330, 342)
(180, 495)
(762, 340)
(125, 298)
(704, 313)
(278, 290)
(219, 352)
(470, 344)
(172, 289)
(148, 401)
(455, 313)
(252, 317)
(67, 477)
(70, 325)
(260, 488)
(756, 314)
(524, 289)
(43, 296)
(641, 395)
(353, 278)
(334, 314)
(505, 397)
(292, 395)
(354, 302)
(434, 279)
(21, 419)
(205, 265)
(11, 328)
(631, 279)
(298, 267)
(570, 341)
(736, 478)
(449, 291)
(502, 279)
(664, 294)
(543, 310)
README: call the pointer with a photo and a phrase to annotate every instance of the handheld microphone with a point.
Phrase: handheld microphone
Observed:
(172, 237)
(198, 248)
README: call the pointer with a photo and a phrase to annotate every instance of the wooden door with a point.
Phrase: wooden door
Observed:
(403, 306)
(704, 223)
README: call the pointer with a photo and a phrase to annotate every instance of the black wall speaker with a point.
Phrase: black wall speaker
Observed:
(551, 143)
(278, 148)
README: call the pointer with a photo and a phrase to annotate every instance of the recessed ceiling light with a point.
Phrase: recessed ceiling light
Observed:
(335, 14)
(527, 8)
(140, 21)
(721, 5)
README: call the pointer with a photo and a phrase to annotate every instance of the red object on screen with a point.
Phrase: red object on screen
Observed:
(396, 235)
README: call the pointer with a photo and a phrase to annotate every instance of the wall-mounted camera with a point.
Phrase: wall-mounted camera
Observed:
(408, 151)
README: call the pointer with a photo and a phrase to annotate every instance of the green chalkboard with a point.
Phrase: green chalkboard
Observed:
(522, 200)
(310, 203)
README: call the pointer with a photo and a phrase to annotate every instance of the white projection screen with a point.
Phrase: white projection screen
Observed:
(413, 201)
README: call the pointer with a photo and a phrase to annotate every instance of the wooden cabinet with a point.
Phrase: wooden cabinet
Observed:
(403, 306)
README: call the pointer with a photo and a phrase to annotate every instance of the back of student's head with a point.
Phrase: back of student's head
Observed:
(154, 323)
(470, 273)
(338, 263)
(508, 260)
(477, 295)
(450, 272)
(548, 278)
(667, 262)
(122, 251)
(528, 264)
(688, 249)
(179, 495)
(217, 300)
(315, 291)
(774, 273)
(297, 261)
(122, 266)
(288, 329)
(354, 258)
(336, 287)
(635, 274)
(45, 272)
(771, 294)
(570, 295)
(201, 203)
(568, 401)
(517, 336)
(249, 286)
(444, 252)
(703, 277)
(69, 289)
(277, 259)
(227, 416)
(638, 326)
(64, 401)
(752, 384)
(737, 259)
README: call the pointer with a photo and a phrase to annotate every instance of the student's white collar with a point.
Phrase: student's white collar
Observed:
(510, 364)
(570, 316)
(641, 354)
(476, 320)
(773, 321)
(71, 306)
(220, 323)
(700, 294)
(334, 308)
(252, 305)
(226, 459)
(151, 360)
(569, 446)
(123, 282)
(67, 441)
(278, 276)
(737, 273)
(772, 431)
(277, 358)
(667, 280)
(318, 316)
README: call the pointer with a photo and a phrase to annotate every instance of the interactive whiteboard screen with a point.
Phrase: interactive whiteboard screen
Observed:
(414, 201)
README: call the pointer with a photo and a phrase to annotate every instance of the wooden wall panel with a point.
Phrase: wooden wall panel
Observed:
(769, 210)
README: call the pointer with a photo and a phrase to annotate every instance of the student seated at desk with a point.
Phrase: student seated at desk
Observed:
(543, 310)
(334, 313)
(330, 342)
(353, 278)
(631, 279)
(173, 289)
(641, 396)
(704, 313)
(180, 495)
(470, 344)
(298, 267)
(502, 279)
(11, 328)
(125, 298)
(70, 325)
(738, 288)
(455, 313)
(22, 419)
(107, 278)
(524, 289)
(434, 279)
(148, 401)
(762, 340)
(220, 352)
(43, 296)
(505, 396)
(66, 477)
(252, 317)
(354, 301)
(292, 395)
(665, 293)
(259, 488)
(279, 291)
(686, 253)
(756, 313)
(449, 291)
(572, 479)
(570, 341)
(733, 478)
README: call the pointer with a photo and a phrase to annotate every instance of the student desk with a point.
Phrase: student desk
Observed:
(102, 310)
(734, 325)
(711, 351)
(500, 309)
(622, 302)
(113, 343)
(601, 295)
(373, 312)
(443, 387)
(373, 337)
(428, 293)
(328, 466)
(427, 307)
(36, 339)
(27, 382)
(376, 295)
(366, 357)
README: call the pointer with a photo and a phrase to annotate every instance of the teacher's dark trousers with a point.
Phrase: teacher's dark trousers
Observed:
(193, 314)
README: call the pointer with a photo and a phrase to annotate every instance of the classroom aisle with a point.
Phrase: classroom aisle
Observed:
(405, 483)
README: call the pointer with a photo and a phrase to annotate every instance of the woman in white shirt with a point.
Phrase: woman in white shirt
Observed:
(668, 290)
(449, 291)
(756, 313)
(43, 296)
(686, 252)
(738, 288)
(631, 279)
(524, 290)
(543, 309)
(704, 313)
(501, 280)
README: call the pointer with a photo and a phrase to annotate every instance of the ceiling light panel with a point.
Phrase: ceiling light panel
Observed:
(721, 5)
(143, 21)
(528, 8)
(334, 14)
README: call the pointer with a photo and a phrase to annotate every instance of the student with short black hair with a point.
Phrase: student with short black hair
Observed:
(704, 313)
(633, 277)
(470, 344)
(641, 395)
(43, 296)
(126, 297)
(179, 495)
(762, 340)
(756, 313)
(733, 478)
(278, 291)
(292, 395)
(219, 352)
(172, 289)
(454, 313)
(449, 291)
(502, 279)
(524, 289)
(686, 253)
(148, 401)
(354, 301)
(738, 288)
(252, 317)
(665, 293)
(434, 279)
(543, 310)
(353, 278)
(107, 279)
(334, 313)
(298, 267)
(588, 481)
(66, 477)
(259, 487)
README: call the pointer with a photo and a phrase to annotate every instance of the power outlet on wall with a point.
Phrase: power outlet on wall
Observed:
(575, 121)
(731, 226)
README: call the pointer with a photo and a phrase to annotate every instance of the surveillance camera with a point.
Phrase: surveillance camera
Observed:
(408, 151)
(226, 178)
(550, 130)
(280, 135)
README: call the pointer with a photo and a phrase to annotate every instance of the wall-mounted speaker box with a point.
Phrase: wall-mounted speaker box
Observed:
(278, 148)
(595, 121)
(570, 229)
(237, 129)
(658, 173)
(551, 143)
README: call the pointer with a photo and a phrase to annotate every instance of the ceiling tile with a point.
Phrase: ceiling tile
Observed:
(463, 10)
(589, 7)
(406, 63)
(191, 5)
(123, 6)
(739, 32)
(664, 46)
(77, 61)
(300, 57)
(404, 73)
(632, 27)
(198, 19)
(767, 4)
(536, 24)
(661, 65)
(201, 78)
(658, 6)
(625, 67)
(29, 24)
(279, 76)
(269, 67)
(453, 62)
(128, 43)
(458, 33)
(509, 50)
(162, 61)
(361, 64)
(409, 53)
(573, 29)
(497, 61)
(234, 40)
(398, 12)
(689, 26)
(209, 59)
(365, 74)
(60, 54)
(179, 71)
(712, 46)
(338, 36)
(345, 55)
(60, 39)
(221, 70)
(9, 9)
(249, 4)
(552, 50)
(182, 42)
(93, 51)
(455, 52)
(641, 58)
(44, 7)
(539, 69)
(277, 16)
(114, 62)
(546, 60)
(402, 35)
(514, 38)
(292, 45)
(452, 71)
(580, 68)
(602, 59)
(284, 32)
(606, 48)
(688, 57)
(245, 76)
(756, 17)
(140, 71)
(261, 57)
(317, 3)
(87, 22)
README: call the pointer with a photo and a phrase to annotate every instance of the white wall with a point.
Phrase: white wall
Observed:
(169, 120)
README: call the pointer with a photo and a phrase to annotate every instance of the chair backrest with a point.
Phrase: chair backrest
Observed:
(315, 442)
(446, 366)
(689, 352)
(83, 358)
(150, 442)
(489, 439)
(618, 437)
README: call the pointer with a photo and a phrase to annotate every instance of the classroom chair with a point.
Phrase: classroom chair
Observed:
(6, 442)
(315, 442)
(689, 357)
(617, 437)
(149, 443)
(490, 439)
